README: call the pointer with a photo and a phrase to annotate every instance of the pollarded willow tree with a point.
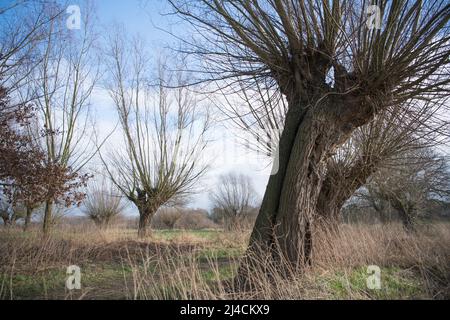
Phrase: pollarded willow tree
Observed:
(164, 132)
(295, 46)
(411, 126)
(379, 145)
(420, 178)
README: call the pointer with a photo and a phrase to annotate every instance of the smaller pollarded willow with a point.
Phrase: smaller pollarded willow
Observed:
(164, 132)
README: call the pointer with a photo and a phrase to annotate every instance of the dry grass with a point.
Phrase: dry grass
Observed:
(200, 265)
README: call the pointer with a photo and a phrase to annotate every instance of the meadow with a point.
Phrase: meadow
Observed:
(183, 264)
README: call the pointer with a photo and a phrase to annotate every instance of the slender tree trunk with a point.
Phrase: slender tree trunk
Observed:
(28, 219)
(48, 210)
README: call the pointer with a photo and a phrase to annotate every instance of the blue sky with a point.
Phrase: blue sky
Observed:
(142, 17)
(145, 18)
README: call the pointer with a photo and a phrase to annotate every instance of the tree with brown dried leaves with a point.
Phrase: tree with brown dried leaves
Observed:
(26, 177)
(62, 84)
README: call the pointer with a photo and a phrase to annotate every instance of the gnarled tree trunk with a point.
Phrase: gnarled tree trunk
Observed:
(6, 221)
(145, 216)
(408, 220)
(329, 206)
(407, 214)
(339, 185)
(286, 220)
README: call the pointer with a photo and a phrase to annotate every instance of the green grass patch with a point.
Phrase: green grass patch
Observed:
(224, 273)
(51, 284)
(395, 284)
(212, 253)
(174, 234)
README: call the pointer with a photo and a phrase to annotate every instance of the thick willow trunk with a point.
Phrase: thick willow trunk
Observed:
(328, 210)
(333, 194)
(285, 224)
(408, 222)
(339, 185)
(305, 173)
(6, 221)
(145, 217)
(262, 239)
(406, 211)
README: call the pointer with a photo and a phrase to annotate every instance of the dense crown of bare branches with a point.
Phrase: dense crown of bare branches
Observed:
(379, 144)
(282, 40)
(164, 132)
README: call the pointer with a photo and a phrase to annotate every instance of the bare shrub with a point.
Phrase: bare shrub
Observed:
(166, 218)
(246, 222)
(194, 220)
(234, 200)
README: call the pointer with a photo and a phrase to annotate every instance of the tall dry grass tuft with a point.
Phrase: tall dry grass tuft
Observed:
(426, 251)
(178, 274)
(347, 252)
(384, 245)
